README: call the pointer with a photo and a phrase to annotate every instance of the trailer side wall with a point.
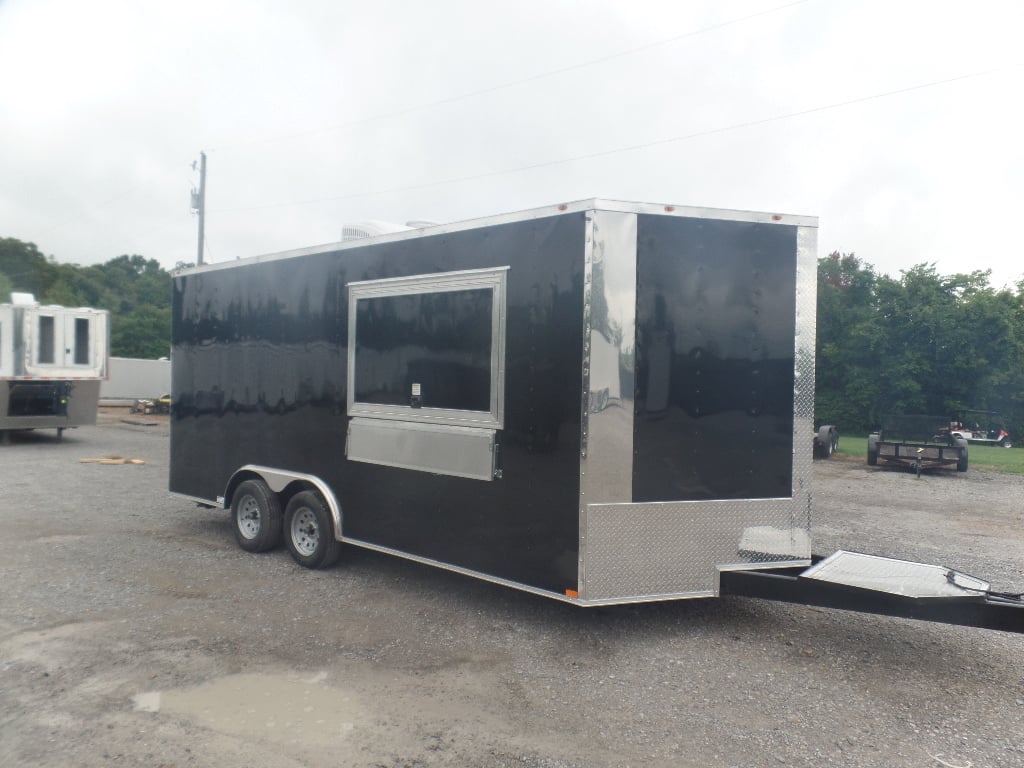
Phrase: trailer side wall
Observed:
(259, 377)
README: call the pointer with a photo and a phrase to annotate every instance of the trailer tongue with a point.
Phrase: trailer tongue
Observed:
(864, 583)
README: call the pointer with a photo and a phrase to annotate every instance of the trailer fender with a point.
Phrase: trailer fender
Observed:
(873, 440)
(279, 480)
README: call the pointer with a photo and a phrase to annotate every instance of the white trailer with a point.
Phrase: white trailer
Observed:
(52, 360)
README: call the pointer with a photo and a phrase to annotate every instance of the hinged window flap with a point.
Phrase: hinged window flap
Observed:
(438, 448)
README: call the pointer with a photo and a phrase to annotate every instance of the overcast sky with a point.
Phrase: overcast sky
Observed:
(898, 123)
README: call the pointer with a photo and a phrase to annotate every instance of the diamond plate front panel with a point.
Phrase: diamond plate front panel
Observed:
(638, 551)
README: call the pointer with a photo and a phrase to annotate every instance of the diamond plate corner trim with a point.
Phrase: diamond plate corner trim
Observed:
(588, 276)
(803, 389)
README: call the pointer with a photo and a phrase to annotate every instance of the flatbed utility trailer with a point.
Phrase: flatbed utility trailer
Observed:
(598, 402)
(52, 360)
(918, 442)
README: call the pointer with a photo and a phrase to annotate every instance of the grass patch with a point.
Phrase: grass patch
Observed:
(853, 447)
(988, 457)
(996, 458)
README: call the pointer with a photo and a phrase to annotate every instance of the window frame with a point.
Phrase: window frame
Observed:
(46, 341)
(82, 347)
(494, 279)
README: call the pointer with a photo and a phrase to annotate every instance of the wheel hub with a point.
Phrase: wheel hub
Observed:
(249, 518)
(305, 534)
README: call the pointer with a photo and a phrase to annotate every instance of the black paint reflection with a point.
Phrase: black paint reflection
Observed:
(715, 360)
(441, 341)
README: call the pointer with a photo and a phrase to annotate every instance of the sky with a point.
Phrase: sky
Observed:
(897, 123)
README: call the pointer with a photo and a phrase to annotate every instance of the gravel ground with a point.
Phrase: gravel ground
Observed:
(133, 632)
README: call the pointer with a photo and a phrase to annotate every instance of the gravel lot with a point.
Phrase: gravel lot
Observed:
(133, 632)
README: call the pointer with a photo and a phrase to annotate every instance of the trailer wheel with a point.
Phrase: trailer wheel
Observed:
(309, 531)
(256, 512)
(872, 458)
(961, 465)
(828, 441)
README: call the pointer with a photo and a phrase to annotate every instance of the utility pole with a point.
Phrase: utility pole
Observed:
(199, 204)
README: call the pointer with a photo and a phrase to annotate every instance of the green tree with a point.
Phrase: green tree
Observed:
(922, 343)
(27, 269)
(848, 343)
(136, 291)
(145, 332)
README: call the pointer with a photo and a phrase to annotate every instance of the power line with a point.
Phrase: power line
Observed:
(521, 81)
(619, 150)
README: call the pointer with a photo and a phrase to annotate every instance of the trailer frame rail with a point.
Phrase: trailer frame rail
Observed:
(981, 609)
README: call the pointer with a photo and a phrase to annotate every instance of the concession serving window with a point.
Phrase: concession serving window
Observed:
(426, 371)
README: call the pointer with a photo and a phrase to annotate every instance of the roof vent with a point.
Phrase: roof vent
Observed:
(370, 228)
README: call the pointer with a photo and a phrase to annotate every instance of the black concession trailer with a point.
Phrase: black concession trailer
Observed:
(599, 402)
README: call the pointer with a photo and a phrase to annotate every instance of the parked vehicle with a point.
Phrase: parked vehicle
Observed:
(917, 442)
(52, 360)
(981, 427)
(159, 405)
(597, 402)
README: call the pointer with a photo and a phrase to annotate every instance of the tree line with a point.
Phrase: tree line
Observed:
(136, 291)
(920, 343)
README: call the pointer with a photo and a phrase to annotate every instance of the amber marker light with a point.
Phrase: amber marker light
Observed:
(572, 593)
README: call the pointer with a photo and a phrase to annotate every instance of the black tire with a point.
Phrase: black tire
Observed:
(872, 458)
(961, 465)
(256, 514)
(1006, 442)
(309, 531)
(826, 442)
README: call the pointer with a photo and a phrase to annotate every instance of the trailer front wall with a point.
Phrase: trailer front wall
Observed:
(711, 475)
(259, 377)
